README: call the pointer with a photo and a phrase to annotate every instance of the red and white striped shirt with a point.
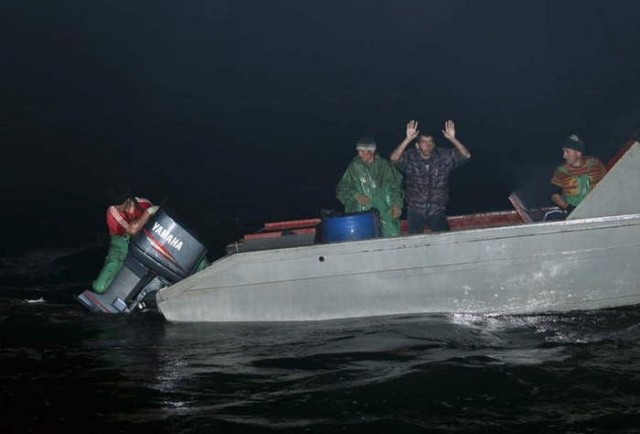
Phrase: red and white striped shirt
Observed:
(118, 221)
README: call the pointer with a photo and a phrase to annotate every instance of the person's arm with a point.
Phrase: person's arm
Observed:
(556, 183)
(345, 190)
(450, 133)
(411, 134)
(395, 195)
(136, 225)
(600, 171)
(559, 200)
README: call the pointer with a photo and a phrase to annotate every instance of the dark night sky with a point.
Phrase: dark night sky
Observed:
(250, 109)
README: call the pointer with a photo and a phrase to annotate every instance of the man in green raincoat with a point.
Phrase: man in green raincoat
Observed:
(371, 182)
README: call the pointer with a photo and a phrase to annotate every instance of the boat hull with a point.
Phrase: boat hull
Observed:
(544, 267)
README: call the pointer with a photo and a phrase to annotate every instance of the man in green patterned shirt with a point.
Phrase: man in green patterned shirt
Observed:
(574, 179)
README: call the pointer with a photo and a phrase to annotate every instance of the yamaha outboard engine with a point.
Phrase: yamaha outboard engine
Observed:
(162, 253)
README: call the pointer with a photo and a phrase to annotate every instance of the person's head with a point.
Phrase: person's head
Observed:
(425, 144)
(120, 195)
(572, 149)
(366, 148)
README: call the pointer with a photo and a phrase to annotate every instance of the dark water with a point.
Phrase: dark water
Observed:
(236, 113)
(63, 368)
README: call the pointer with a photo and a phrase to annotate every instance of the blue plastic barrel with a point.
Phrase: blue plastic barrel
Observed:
(350, 227)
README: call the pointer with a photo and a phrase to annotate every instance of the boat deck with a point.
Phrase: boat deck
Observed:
(306, 232)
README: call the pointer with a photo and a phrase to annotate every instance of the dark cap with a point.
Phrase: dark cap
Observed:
(366, 143)
(574, 142)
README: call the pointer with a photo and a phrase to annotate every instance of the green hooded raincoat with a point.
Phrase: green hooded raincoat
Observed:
(381, 183)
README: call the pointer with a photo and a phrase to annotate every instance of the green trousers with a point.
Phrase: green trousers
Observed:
(118, 248)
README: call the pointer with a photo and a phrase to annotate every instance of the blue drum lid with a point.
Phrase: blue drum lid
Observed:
(350, 227)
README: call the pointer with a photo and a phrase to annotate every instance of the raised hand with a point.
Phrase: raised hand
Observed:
(412, 129)
(449, 130)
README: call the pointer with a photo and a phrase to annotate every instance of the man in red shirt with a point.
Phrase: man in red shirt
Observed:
(124, 219)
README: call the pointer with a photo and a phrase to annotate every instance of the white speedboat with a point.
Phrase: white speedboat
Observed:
(508, 262)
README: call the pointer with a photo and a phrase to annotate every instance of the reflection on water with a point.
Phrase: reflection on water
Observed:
(64, 368)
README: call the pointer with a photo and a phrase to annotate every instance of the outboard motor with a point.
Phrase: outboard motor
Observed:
(161, 254)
